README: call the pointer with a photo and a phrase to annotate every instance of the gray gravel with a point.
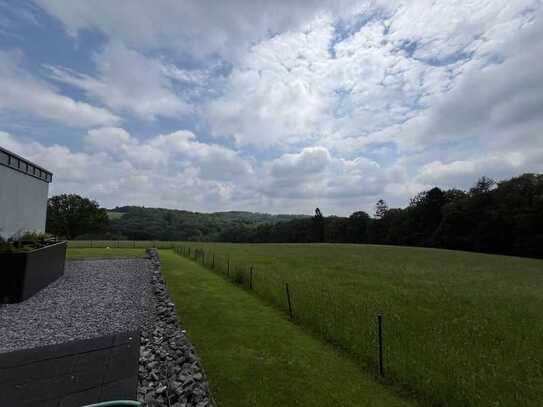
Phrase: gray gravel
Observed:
(93, 298)
(170, 371)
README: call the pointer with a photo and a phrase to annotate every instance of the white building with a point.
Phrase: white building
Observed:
(24, 189)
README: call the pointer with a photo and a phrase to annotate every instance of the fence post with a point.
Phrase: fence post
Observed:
(380, 336)
(289, 303)
(228, 266)
(251, 278)
(213, 262)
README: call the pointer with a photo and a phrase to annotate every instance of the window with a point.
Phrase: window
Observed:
(4, 158)
(14, 162)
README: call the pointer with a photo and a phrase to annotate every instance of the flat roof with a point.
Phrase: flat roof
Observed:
(18, 163)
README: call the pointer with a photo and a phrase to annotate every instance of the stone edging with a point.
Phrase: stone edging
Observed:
(170, 372)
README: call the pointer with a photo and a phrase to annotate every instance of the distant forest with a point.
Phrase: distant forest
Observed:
(504, 217)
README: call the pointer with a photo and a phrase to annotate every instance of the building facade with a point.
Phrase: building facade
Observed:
(24, 189)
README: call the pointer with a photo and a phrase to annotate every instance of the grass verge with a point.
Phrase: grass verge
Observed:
(254, 356)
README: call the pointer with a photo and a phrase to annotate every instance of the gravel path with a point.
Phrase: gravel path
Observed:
(93, 298)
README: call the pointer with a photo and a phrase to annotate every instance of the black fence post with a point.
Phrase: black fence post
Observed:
(289, 303)
(228, 266)
(213, 262)
(380, 336)
(251, 278)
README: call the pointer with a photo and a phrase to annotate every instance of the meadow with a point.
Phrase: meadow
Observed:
(460, 329)
(254, 356)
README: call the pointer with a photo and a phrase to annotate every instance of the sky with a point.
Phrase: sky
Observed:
(271, 106)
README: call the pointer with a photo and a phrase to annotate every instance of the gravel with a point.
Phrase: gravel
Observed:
(103, 297)
(170, 372)
(93, 298)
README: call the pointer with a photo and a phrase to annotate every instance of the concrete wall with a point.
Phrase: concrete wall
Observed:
(23, 202)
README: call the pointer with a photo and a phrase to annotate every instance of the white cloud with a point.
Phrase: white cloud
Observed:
(311, 161)
(314, 173)
(191, 175)
(463, 173)
(129, 81)
(200, 27)
(495, 114)
(108, 138)
(179, 149)
(21, 92)
(274, 97)
(437, 92)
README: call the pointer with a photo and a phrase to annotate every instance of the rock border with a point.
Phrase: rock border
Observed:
(170, 373)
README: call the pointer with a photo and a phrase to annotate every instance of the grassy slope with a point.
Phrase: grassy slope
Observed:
(460, 328)
(77, 253)
(254, 356)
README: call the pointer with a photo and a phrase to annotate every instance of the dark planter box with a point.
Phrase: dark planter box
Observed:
(23, 274)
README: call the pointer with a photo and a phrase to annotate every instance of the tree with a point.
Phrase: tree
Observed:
(69, 216)
(381, 209)
(318, 226)
(484, 184)
(358, 227)
(425, 216)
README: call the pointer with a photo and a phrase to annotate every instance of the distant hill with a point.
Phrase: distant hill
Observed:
(141, 223)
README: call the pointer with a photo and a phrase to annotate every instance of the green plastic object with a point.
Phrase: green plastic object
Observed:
(118, 403)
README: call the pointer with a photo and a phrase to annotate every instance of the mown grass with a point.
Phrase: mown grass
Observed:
(460, 329)
(254, 356)
(84, 253)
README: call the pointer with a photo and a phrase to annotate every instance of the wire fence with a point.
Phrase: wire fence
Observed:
(302, 303)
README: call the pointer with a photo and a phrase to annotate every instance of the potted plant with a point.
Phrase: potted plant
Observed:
(28, 264)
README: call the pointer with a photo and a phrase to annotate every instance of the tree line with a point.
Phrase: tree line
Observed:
(503, 218)
(493, 217)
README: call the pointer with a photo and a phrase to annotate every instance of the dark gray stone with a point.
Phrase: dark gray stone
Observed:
(167, 357)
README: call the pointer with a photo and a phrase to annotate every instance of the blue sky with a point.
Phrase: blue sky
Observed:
(271, 106)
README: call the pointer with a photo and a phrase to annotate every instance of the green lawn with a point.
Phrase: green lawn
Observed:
(254, 356)
(78, 253)
(460, 329)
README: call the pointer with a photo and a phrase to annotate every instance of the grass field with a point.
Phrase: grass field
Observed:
(254, 356)
(460, 329)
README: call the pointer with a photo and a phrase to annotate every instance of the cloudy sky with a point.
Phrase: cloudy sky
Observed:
(271, 106)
